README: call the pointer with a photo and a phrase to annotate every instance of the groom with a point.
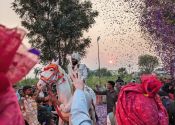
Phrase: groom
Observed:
(76, 68)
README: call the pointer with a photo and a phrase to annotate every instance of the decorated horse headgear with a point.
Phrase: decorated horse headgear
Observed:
(53, 77)
(76, 56)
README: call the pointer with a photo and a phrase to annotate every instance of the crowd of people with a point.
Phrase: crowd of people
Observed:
(37, 107)
(166, 93)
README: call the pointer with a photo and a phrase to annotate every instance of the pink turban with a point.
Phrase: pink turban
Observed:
(139, 104)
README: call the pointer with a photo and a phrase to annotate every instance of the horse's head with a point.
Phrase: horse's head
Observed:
(51, 74)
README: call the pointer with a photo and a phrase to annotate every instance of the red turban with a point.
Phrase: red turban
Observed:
(15, 63)
(139, 104)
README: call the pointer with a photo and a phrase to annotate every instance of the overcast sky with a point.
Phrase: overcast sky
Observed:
(120, 43)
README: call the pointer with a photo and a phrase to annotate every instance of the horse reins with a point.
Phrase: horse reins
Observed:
(49, 84)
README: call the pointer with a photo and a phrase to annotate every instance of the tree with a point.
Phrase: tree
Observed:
(56, 27)
(37, 71)
(103, 72)
(28, 81)
(122, 72)
(148, 63)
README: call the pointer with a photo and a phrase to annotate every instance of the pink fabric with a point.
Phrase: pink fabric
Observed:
(10, 40)
(171, 96)
(10, 113)
(22, 63)
(138, 104)
(150, 85)
(14, 64)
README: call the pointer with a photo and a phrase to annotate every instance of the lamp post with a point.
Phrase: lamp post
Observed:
(98, 38)
(129, 68)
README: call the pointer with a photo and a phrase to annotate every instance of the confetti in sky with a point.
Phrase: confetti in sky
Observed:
(121, 38)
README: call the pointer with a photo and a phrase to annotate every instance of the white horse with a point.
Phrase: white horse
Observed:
(54, 74)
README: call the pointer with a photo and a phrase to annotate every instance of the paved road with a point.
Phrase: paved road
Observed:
(102, 114)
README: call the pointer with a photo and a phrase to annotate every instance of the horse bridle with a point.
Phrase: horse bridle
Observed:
(50, 83)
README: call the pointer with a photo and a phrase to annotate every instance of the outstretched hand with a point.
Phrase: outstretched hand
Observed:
(77, 82)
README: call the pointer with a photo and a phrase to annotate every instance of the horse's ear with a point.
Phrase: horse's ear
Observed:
(68, 57)
(57, 62)
(53, 61)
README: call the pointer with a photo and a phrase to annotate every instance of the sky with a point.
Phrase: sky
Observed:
(121, 40)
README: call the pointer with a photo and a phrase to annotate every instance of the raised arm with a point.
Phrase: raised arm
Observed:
(100, 92)
(79, 108)
(79, 111)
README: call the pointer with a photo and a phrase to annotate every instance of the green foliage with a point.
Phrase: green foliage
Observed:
(37, 71)
(102, 71)
(127, 78)
(122, 72)
(148, 63)
(28, 81)
(56, 27)
(93, 80)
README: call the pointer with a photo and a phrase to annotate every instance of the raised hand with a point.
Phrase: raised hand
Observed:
(77, 82)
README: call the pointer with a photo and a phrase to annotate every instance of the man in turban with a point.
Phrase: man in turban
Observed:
(80, 70)
(76, 68)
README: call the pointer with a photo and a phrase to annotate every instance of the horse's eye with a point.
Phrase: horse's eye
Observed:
(51, 69)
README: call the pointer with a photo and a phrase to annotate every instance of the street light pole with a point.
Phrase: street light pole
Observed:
(99, 75)
(129, 68)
